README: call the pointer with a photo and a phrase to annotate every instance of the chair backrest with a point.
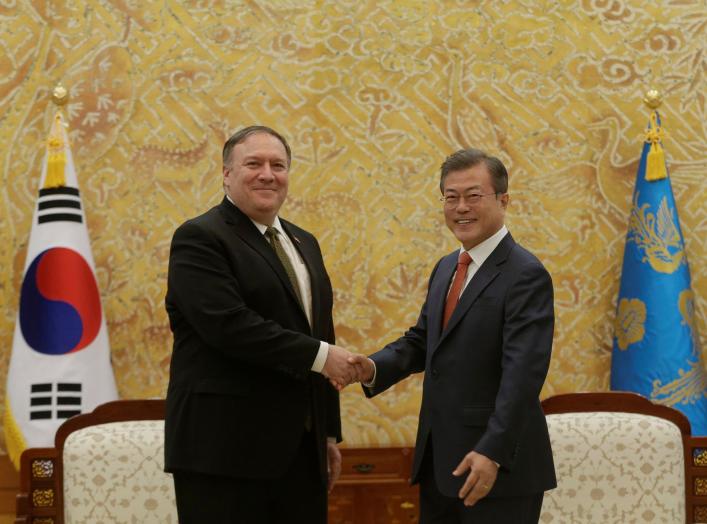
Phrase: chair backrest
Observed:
(619, 458)
(113, 472)
(106, 466)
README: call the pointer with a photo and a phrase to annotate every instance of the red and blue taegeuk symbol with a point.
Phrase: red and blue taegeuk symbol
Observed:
(60, 308)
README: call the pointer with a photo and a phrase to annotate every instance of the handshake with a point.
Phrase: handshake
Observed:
(343, 368)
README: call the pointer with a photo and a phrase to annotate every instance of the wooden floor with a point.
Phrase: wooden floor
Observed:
(9, 485)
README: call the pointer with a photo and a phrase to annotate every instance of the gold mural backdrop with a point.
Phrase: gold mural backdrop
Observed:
(372, 95)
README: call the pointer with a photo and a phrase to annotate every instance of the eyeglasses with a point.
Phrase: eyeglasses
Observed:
(471, 198)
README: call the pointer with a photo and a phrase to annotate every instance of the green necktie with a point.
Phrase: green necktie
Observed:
(272, 235)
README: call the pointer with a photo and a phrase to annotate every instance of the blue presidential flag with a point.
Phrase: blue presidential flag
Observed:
(656, 349)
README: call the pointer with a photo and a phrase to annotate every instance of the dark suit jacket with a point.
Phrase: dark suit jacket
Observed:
(240, 383)
(483, 373)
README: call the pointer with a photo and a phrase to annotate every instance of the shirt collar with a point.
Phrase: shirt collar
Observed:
(275, 223)
(262, 227)
(480, 252)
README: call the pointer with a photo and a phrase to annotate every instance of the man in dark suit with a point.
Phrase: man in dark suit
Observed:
(252, 420)
(483, 340)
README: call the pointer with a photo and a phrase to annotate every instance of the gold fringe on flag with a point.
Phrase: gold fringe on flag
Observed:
(14, 440)
(655, 163)
(56, 156)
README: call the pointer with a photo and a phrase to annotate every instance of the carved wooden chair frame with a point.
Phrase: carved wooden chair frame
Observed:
(695, 448)
(41, 497)
(40, 500)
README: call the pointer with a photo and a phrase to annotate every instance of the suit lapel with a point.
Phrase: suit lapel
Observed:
(489, 270)
(438, 295)
(246, 230)
(309, 254)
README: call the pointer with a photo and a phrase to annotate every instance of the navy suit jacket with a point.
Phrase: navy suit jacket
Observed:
(240, 385)
(483, 372)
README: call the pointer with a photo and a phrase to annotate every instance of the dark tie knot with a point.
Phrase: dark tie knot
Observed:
(464, 259)
(271, 232)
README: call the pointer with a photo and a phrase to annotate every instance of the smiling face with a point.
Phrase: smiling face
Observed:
(473, 222)
(257, 176)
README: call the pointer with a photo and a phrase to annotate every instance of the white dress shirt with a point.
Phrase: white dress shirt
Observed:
(305, 285)
(479, 253)
(303, 282)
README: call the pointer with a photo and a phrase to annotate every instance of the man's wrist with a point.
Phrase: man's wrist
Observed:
(371, 383)
(321, 357)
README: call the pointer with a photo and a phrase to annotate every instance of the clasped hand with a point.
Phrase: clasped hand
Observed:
(343, 367)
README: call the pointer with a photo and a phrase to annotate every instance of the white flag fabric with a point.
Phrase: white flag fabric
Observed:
(60, 364)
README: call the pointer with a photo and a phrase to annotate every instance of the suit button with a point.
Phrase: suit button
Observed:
(435, 373)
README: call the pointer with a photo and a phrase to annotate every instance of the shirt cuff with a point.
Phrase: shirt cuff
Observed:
(320, 360)
(372, 383)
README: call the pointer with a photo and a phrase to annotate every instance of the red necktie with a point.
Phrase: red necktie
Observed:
(457, 285)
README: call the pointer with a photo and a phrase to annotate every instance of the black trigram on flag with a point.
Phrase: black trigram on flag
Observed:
(59, 204)
(46, 402)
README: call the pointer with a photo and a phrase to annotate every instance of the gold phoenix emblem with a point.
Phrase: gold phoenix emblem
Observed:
(630, 322)
(691, 385)
(688, 388)
(657, 236)
(686, 305)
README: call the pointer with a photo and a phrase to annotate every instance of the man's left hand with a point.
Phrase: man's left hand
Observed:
(482, 475)
(333, 463)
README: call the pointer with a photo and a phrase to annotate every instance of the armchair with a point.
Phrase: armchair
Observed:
(620, 458)
(106, 466)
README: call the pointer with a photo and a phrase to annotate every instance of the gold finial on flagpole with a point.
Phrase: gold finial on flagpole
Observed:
(56, 143)
(60, 95)
(653, 99)
(655, 161)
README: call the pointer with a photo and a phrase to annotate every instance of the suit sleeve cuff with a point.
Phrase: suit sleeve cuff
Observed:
(320, 359)
(372, 383)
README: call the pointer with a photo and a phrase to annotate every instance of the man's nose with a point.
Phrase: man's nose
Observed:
(266, 172)
(463, 206)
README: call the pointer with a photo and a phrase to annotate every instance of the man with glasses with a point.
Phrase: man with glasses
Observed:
(483, 340)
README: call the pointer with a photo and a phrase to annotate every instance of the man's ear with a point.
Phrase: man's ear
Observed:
(225, 172)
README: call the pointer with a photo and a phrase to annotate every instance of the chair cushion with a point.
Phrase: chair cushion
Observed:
(615, 468)
(114, 473)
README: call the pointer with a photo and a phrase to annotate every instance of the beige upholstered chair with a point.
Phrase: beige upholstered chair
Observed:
(618, 459)
(622, 459)
(113, 472)
(107, 467)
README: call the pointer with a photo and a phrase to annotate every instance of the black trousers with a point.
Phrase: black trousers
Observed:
(299, 496)
(436, 508)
